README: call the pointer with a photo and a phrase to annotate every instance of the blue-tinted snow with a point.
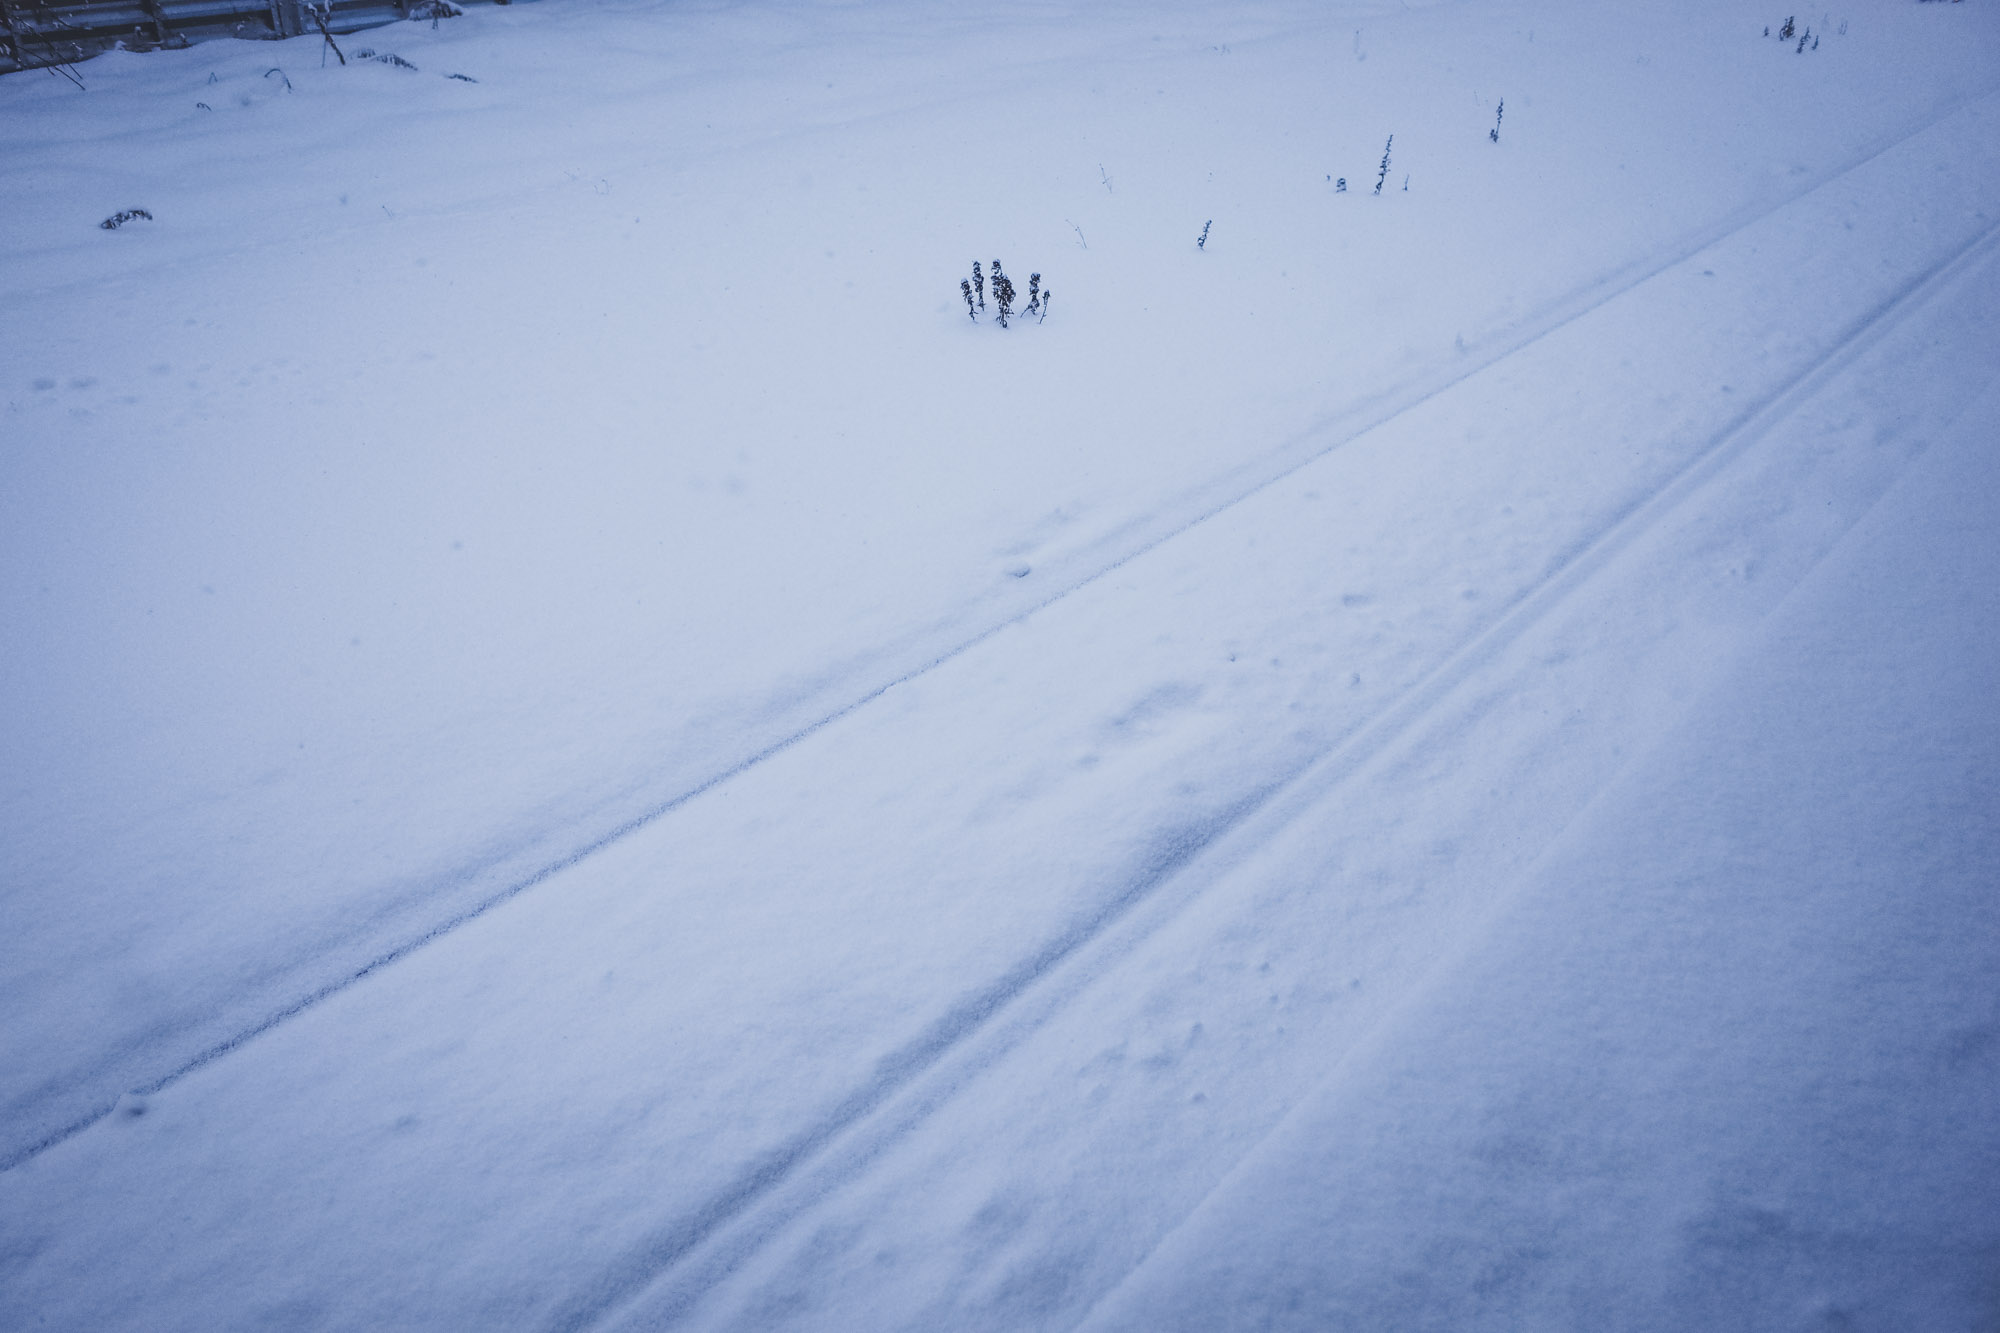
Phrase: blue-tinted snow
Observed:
(886, 823)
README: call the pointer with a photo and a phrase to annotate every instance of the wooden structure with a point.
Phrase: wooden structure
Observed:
(57, 35)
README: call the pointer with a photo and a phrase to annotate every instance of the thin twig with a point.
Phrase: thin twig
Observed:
(319, 17)
(56, 64)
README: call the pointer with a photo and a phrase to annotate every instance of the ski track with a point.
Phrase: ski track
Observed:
(904, 1087)
(1466, 944)
(1197, 506)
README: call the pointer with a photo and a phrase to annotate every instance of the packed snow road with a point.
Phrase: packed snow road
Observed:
(915, 936)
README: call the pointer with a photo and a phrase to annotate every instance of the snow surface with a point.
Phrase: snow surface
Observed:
(584, 750)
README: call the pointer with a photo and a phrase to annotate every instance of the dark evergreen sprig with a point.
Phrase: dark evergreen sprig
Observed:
(123, 216)
(1034, 294)
(1383, 175)
(1499, 113)
(965, 290)
(1003, 294)
(1201, 241)
(1046, 294)
(979, 283)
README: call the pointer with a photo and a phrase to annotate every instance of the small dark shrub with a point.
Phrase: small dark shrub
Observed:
(972, 292)
(1003, 294)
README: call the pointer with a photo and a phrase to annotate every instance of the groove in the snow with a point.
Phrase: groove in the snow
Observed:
(1207, 505)
(1262, 812)
(670, 1244)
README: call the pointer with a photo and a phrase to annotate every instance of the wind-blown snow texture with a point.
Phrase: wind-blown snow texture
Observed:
(584, 750)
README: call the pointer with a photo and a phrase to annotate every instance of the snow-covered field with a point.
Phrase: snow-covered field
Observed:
(582, 749)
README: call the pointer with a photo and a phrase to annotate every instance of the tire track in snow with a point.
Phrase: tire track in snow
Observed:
(1091, 564)
(708, 1244)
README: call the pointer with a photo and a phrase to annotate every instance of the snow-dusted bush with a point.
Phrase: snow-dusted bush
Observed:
(1003, 294)
(973, 292)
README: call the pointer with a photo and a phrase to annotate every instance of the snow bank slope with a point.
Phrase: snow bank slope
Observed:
(456, 473)
(1047, 1154)
(944, 1016)
(1731, 1059)
(947, 1002)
